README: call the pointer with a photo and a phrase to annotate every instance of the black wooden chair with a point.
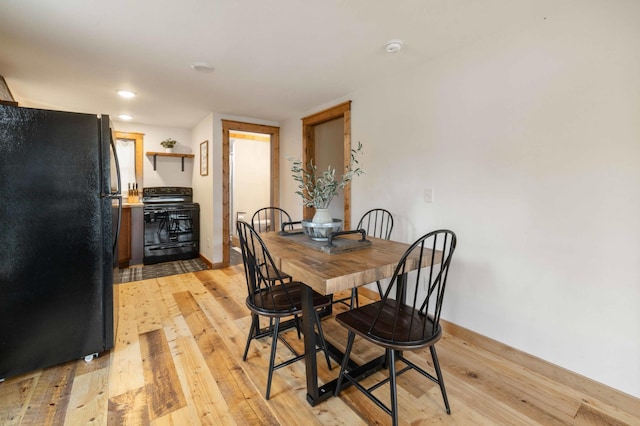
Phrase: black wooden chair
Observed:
(408, 316)
(269, 219)
(377, 223)
(274, 298)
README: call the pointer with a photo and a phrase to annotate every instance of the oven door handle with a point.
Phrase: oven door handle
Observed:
(172, 246)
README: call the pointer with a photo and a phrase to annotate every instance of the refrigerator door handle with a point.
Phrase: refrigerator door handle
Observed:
(115, 240)
(116, 195)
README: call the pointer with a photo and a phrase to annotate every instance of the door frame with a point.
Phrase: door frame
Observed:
(274, 133)
(342, 110)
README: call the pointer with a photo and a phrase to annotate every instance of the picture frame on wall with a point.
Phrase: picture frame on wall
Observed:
(204, 158)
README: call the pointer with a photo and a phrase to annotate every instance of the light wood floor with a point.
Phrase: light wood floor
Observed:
(177, 361)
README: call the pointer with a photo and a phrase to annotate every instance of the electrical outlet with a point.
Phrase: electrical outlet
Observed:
(428, 195)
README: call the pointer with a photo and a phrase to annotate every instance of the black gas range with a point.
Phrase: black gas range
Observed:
(171, 224)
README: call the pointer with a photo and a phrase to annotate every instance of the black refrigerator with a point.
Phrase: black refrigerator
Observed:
(59, 220)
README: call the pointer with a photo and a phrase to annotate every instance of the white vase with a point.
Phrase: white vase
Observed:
(168, 150)
(322, 216)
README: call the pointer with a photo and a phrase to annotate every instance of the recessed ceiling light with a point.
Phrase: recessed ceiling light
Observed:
(126, 94)
(125, 117)
(202, 67)
(393, 46)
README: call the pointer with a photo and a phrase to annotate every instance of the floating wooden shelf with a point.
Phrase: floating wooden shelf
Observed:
(169, 154)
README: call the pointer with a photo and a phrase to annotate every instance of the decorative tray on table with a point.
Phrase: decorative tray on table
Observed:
(337, 242)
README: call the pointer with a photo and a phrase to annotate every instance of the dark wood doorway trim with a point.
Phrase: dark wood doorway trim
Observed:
(274, 133)
(309, 148)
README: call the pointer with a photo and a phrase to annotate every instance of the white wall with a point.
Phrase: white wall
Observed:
(208, 190)
(203, 185)
(168, 169)
(531, 144)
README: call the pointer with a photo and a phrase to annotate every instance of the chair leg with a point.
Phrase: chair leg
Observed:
(345, 361)
(252, 330)
(297, 321)
(322, 341)
(380, 289)
(436, 365)
(354, 298)
(272, 358)
(391, 357)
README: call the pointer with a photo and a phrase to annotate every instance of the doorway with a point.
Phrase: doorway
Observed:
(310, 146)
(249, 179)
(273, 135)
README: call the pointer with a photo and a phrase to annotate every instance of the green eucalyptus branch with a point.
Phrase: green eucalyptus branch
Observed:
(317, 189)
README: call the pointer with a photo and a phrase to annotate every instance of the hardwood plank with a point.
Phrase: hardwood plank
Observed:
(182, 416)
(587, 415)
(89, 398)
(174, 325)
(235, 308)
(167, 288)
(247, 405)
(202, 360)
(603, 410)
(147, 312)
(14, 396)
(162, 386)
(50, 399)
(204, 395)
(129, 408)
(126, 373)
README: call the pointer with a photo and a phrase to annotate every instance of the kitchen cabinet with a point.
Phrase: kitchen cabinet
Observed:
(130, 243)
(124, 241)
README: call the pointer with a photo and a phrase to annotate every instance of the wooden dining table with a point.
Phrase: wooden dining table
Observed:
(327, 274)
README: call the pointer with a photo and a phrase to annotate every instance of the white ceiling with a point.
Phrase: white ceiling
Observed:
(272, 59)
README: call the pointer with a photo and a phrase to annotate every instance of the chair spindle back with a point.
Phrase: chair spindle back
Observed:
(377, 223)
(411, 306)
(257, 261)
(269, 219)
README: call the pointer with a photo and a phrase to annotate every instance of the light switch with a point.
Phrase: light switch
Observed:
(428, 195)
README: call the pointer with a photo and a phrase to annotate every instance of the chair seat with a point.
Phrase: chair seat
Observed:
(412, 329)
(277, 301)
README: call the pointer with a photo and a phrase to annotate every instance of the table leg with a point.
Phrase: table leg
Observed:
(311, 365)
(316, 394)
